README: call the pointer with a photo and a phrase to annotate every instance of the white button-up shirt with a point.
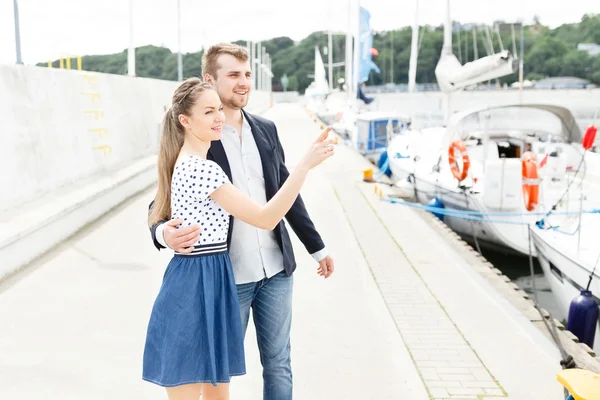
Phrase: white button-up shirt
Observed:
(254, 252)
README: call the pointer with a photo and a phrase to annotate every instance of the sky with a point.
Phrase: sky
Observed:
(54, 28)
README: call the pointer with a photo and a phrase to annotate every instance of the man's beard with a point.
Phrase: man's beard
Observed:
(234, 103)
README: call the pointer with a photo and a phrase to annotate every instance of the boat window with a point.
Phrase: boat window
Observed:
(508, 150)
(556, 272)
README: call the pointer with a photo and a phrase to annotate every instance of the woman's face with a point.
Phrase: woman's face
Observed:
(206, 117)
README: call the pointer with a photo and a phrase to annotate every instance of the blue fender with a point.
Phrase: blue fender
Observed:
(384, 163)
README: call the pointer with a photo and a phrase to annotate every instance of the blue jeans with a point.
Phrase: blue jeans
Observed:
(271, 303)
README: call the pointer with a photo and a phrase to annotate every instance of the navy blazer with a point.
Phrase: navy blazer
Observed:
(275, 173)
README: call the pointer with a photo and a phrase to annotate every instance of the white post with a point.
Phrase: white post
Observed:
(355, 64)
(521, 64)
(447, 50)
(392, 58)
(330, 59)
(259, 66)
(348, 65)
(475, 52)
(414, 51)
(270, 80)
(131, 52)
(179, 55)
(17, 32)
(253, 64)
(249, 50)
(266, 81)
(447, 47)
(263, 61)
(266, 71)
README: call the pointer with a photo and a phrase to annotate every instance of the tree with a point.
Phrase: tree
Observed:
(534, 76)
(548, 52)
(546, 56)
(575, 63)
(150, 61)
(293, 84)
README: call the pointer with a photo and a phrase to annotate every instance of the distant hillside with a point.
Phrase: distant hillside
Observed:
(548, 53)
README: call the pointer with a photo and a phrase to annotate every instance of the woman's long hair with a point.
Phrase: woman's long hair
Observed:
(171, 140)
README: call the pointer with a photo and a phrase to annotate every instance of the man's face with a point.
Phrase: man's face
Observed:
(233, 81)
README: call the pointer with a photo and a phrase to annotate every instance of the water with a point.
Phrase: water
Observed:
(518, 270)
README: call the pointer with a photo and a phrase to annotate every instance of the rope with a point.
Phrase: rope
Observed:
(474, 228)
(471, 215)
(565, 233)
(567, 361)
(439, 189)
(553, 208)
(384, 167)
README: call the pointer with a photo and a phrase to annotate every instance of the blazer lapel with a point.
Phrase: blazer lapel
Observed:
(216, 152)
(266, 153)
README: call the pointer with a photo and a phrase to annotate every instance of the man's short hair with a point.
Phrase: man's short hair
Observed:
(210, 56)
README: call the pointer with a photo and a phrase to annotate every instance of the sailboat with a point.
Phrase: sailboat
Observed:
(364, 129)
(567, 243)
(484, 165)
(317, 91)
(570, 261)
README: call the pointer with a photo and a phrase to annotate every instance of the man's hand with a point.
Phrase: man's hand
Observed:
(326, 267)
(181, 240)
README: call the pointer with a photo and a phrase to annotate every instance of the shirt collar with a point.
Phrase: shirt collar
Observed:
(245, 124)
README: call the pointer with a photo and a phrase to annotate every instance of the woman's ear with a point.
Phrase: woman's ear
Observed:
(183, 120)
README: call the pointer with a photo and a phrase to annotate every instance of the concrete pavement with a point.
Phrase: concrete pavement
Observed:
(403, 317)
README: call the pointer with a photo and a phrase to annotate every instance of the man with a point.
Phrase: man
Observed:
(251, 155)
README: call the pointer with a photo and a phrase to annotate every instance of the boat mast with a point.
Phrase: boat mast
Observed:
(348, 64)
(414, 51)
(447, 51)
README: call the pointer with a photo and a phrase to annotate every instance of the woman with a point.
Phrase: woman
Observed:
(194, 342)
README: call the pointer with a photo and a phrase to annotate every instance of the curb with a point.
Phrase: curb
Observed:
(32, 231)
(584, 356)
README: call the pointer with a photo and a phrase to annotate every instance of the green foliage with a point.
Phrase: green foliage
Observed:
(548, 52)
(534, 76)
(292, 84)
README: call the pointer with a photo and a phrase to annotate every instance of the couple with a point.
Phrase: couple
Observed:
(217, 162)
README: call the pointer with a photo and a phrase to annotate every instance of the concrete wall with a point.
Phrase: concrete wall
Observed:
(74, 145)
(428, 108)
(58, 127)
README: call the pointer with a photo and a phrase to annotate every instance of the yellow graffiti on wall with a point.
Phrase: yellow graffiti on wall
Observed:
(98, 114)
(95, 98)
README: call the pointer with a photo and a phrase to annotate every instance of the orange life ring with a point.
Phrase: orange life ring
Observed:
(458, 146)
(531, 183)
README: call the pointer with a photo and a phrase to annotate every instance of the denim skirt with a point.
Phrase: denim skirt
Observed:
(195, 331)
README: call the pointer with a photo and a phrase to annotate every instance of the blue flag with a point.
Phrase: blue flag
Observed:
(365, 45)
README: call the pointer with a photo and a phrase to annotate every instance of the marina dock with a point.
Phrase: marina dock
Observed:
(411, 312)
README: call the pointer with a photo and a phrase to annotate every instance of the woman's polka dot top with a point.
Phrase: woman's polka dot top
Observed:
(194, 179)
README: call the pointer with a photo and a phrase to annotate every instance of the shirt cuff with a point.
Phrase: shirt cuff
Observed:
(318, 256)
(159, 235)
